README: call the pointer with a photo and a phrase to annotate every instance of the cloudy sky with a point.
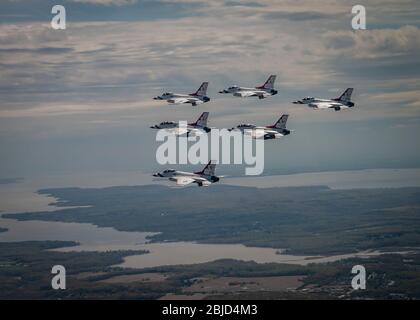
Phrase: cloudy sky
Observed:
(79, 100)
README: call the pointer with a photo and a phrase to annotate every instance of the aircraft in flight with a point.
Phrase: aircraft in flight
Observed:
(195, 128)
(343, 102)
(203, 178)
(264, 91)
(198, 97)
(275, 131)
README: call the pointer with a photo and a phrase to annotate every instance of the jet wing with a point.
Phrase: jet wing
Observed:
(272, 134)
(182, 131)
(192, 100)
(259, 133)
(204, 183)
(268, 134)
(250, 93)
(184, 180)
(195, 132)
(324, 105)
(177, 131)
(178, 100)
(335, 106)
(245, 94)
(261, 94)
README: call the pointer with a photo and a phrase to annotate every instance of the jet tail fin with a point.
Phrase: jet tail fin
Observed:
(209, 169)
(202, 120)
(281, 123)
(269, 84)
(202, 91)
(346, 96)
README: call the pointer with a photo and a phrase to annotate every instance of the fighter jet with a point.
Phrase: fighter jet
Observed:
(202, 178)
(196, 98)
(195, 128)
(261, 92)
(274, 131)
(343, 102)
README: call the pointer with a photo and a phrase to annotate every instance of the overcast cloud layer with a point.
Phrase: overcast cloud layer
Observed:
(79, 99)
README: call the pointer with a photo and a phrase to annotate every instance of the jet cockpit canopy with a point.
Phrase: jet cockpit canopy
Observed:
(168, 171)
(167, 122)
(246, 125)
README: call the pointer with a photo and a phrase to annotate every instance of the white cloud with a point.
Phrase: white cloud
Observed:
(404, 41)
(241, 46)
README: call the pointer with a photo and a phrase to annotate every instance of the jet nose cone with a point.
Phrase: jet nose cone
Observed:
(206, 99)
(215, 179)
(274, 92)
(157, 175)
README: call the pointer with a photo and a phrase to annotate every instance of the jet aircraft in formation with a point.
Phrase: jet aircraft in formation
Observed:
(195, 128)
(202, 178)
(196, 98)
(342, 102)
(207, 176)
(263, 91)
(275, 131)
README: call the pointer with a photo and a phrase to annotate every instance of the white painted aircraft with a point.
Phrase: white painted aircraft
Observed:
(202, 178)
(343, 102)
(195, 128)
(198, 97)
(275, 131)
(264, 91)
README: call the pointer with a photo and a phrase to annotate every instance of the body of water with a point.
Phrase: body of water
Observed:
(22, 197)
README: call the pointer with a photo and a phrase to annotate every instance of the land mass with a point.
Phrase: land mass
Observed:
(303, 220)
(25, 270)
(307, 220)
(25, 273)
